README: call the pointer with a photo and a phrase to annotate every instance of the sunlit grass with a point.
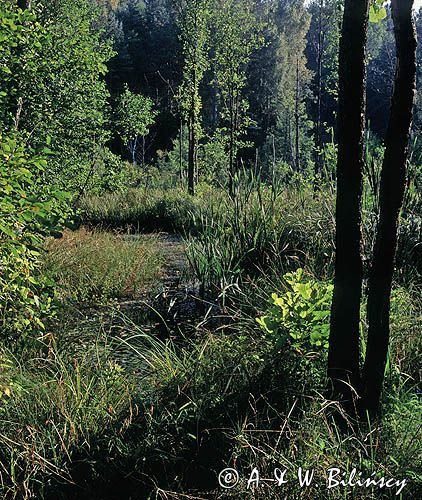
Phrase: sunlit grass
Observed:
(96, 265)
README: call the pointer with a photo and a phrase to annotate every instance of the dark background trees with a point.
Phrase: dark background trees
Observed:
(290, 79)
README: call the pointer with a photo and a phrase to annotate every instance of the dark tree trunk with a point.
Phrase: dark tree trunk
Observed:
(343, 358)
(392, 188)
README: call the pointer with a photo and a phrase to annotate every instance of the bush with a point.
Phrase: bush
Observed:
(26, 216)
(300, 315)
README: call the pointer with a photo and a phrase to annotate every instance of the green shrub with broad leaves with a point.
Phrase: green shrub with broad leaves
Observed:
(27, 215)
(300, 315)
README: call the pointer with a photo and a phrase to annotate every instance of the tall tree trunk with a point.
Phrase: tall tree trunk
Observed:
(191, 156)
(192, 138)
(343, 357)
(392, 188)
(181, 173)
(318, 124)
(231, 152)
(297, 119)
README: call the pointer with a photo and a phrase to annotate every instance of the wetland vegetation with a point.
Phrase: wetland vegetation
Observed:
(171, 185)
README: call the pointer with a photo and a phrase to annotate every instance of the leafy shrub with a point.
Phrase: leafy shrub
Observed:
(52, 58)
(300, 315)
(26, 217)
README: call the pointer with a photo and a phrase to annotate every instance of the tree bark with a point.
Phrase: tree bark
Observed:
(343, 357)
(392, 188)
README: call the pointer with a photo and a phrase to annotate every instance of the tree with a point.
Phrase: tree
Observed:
(58, 88)
(29, 210)
(145, 37)
(194, 34)
(392, 188)
(322, 55)
(343, 357)
(343, 360)
(381, 66)
(292, 77)
(134, 116)
(236, 36)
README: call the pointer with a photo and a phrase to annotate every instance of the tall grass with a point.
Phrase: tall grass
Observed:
(139, 209)
(233, 400)
(58, 406)
(260, 230)
(261, 225)
(175, 412)
(95, 265)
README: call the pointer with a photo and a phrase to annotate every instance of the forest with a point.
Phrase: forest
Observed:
(210, 249)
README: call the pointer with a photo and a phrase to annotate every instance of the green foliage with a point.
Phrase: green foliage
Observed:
(140, 209)
(26, 216)
(292, 82)
(300, 315)
(60, 407)
(54, 65)
(377, 11)
(21, 37)
(258, 231)
(134, 115)
(236, 36)
(194, 36)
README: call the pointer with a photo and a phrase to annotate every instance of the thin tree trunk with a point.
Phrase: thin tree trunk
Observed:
(392, 188)
(134, 148)
(343, 357)
(191, 156)
(289, 138)
(231, 151)
(181, 150)
(297, 121)
(192, 138)
(318, 125)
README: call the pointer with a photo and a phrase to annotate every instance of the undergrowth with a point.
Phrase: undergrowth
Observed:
(175, 412)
